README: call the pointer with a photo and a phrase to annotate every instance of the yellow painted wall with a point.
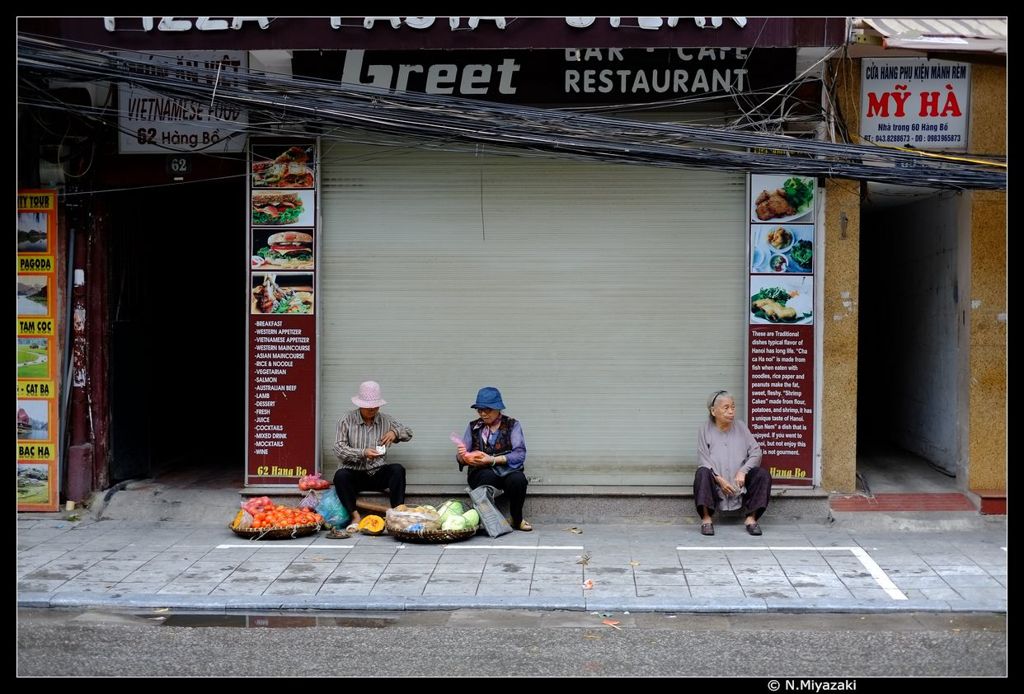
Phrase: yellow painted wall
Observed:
(839, 315)
(988, 346)
(839, 318)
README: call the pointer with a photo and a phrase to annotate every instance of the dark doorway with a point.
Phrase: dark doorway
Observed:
(177, 340)
(909, 352)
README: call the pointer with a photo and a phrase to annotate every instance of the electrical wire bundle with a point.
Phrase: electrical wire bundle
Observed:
(286, 104)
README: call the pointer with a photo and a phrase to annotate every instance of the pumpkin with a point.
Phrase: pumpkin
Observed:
(371, 525)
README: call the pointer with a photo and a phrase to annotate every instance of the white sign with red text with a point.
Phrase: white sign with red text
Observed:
(915, 102)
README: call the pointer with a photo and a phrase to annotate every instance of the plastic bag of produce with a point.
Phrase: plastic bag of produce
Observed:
(406, 517)
(313, 482)
(311, 500)
(335, 515)
(483, 501)
(242, 521)
(260, 503)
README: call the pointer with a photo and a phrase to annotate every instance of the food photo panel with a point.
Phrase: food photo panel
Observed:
(283, 166)
(785, 300)
(282, 249)
(279, 208)
(781, 248)
(281, 294)
(778, 199)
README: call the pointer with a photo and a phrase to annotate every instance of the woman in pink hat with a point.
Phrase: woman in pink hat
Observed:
(362, 442)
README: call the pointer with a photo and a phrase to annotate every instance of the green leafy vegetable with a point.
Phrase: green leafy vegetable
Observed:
(774, 293)
(802, 253)
(289, 216)
(267, 253)
(799, 192)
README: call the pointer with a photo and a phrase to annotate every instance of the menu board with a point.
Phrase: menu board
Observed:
(37, 425)
(780, 349)
(281, 426)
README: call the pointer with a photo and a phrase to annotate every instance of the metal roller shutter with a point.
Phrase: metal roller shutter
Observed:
(604, 301)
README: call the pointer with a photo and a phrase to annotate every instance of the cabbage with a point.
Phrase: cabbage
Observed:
(454, 523)
(450, 508)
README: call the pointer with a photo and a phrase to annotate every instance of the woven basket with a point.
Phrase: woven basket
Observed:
(276, 533)
(432, 536)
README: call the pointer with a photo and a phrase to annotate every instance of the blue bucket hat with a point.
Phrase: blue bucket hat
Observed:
(489, 398)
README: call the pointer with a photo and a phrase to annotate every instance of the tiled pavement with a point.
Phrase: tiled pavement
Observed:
(635, 567)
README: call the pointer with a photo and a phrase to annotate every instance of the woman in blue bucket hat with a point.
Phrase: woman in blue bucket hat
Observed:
(494, 449)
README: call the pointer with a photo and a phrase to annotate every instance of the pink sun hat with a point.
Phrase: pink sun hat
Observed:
(369, 395)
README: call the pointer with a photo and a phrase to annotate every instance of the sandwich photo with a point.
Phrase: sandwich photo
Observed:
(276, 208)
(286, 249)
(290, 169)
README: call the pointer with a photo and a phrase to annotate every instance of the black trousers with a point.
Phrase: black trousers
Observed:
(348, 483)
(513, 484)
(758, 484)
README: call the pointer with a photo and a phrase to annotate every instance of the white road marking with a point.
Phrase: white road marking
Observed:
(266, 546)
(872, 567)
(880, 576)
(400, 546)
(579, 547)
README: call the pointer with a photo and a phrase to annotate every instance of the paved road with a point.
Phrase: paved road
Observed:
(508, 643)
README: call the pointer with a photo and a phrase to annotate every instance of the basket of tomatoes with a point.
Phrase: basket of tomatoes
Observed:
(262, 519)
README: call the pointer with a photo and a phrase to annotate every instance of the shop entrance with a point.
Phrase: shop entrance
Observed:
(177, 332)
(911, 412)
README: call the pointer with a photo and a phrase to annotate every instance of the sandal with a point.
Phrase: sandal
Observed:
(707, 528)
(525, 526)
(338, 534)
(352, 528)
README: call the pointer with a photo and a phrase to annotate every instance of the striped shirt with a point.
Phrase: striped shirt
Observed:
(355, 436)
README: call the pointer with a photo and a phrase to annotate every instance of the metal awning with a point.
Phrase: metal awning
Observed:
(969, 35)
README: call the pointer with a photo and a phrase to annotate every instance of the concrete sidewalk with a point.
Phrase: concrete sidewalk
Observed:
(864, 562)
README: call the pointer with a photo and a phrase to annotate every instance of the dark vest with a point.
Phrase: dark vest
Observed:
(502, 442)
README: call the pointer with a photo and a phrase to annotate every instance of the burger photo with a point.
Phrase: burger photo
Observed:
(286, 249)
(276, 208)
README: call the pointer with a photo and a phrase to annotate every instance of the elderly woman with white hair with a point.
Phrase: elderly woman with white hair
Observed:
(730, 476)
